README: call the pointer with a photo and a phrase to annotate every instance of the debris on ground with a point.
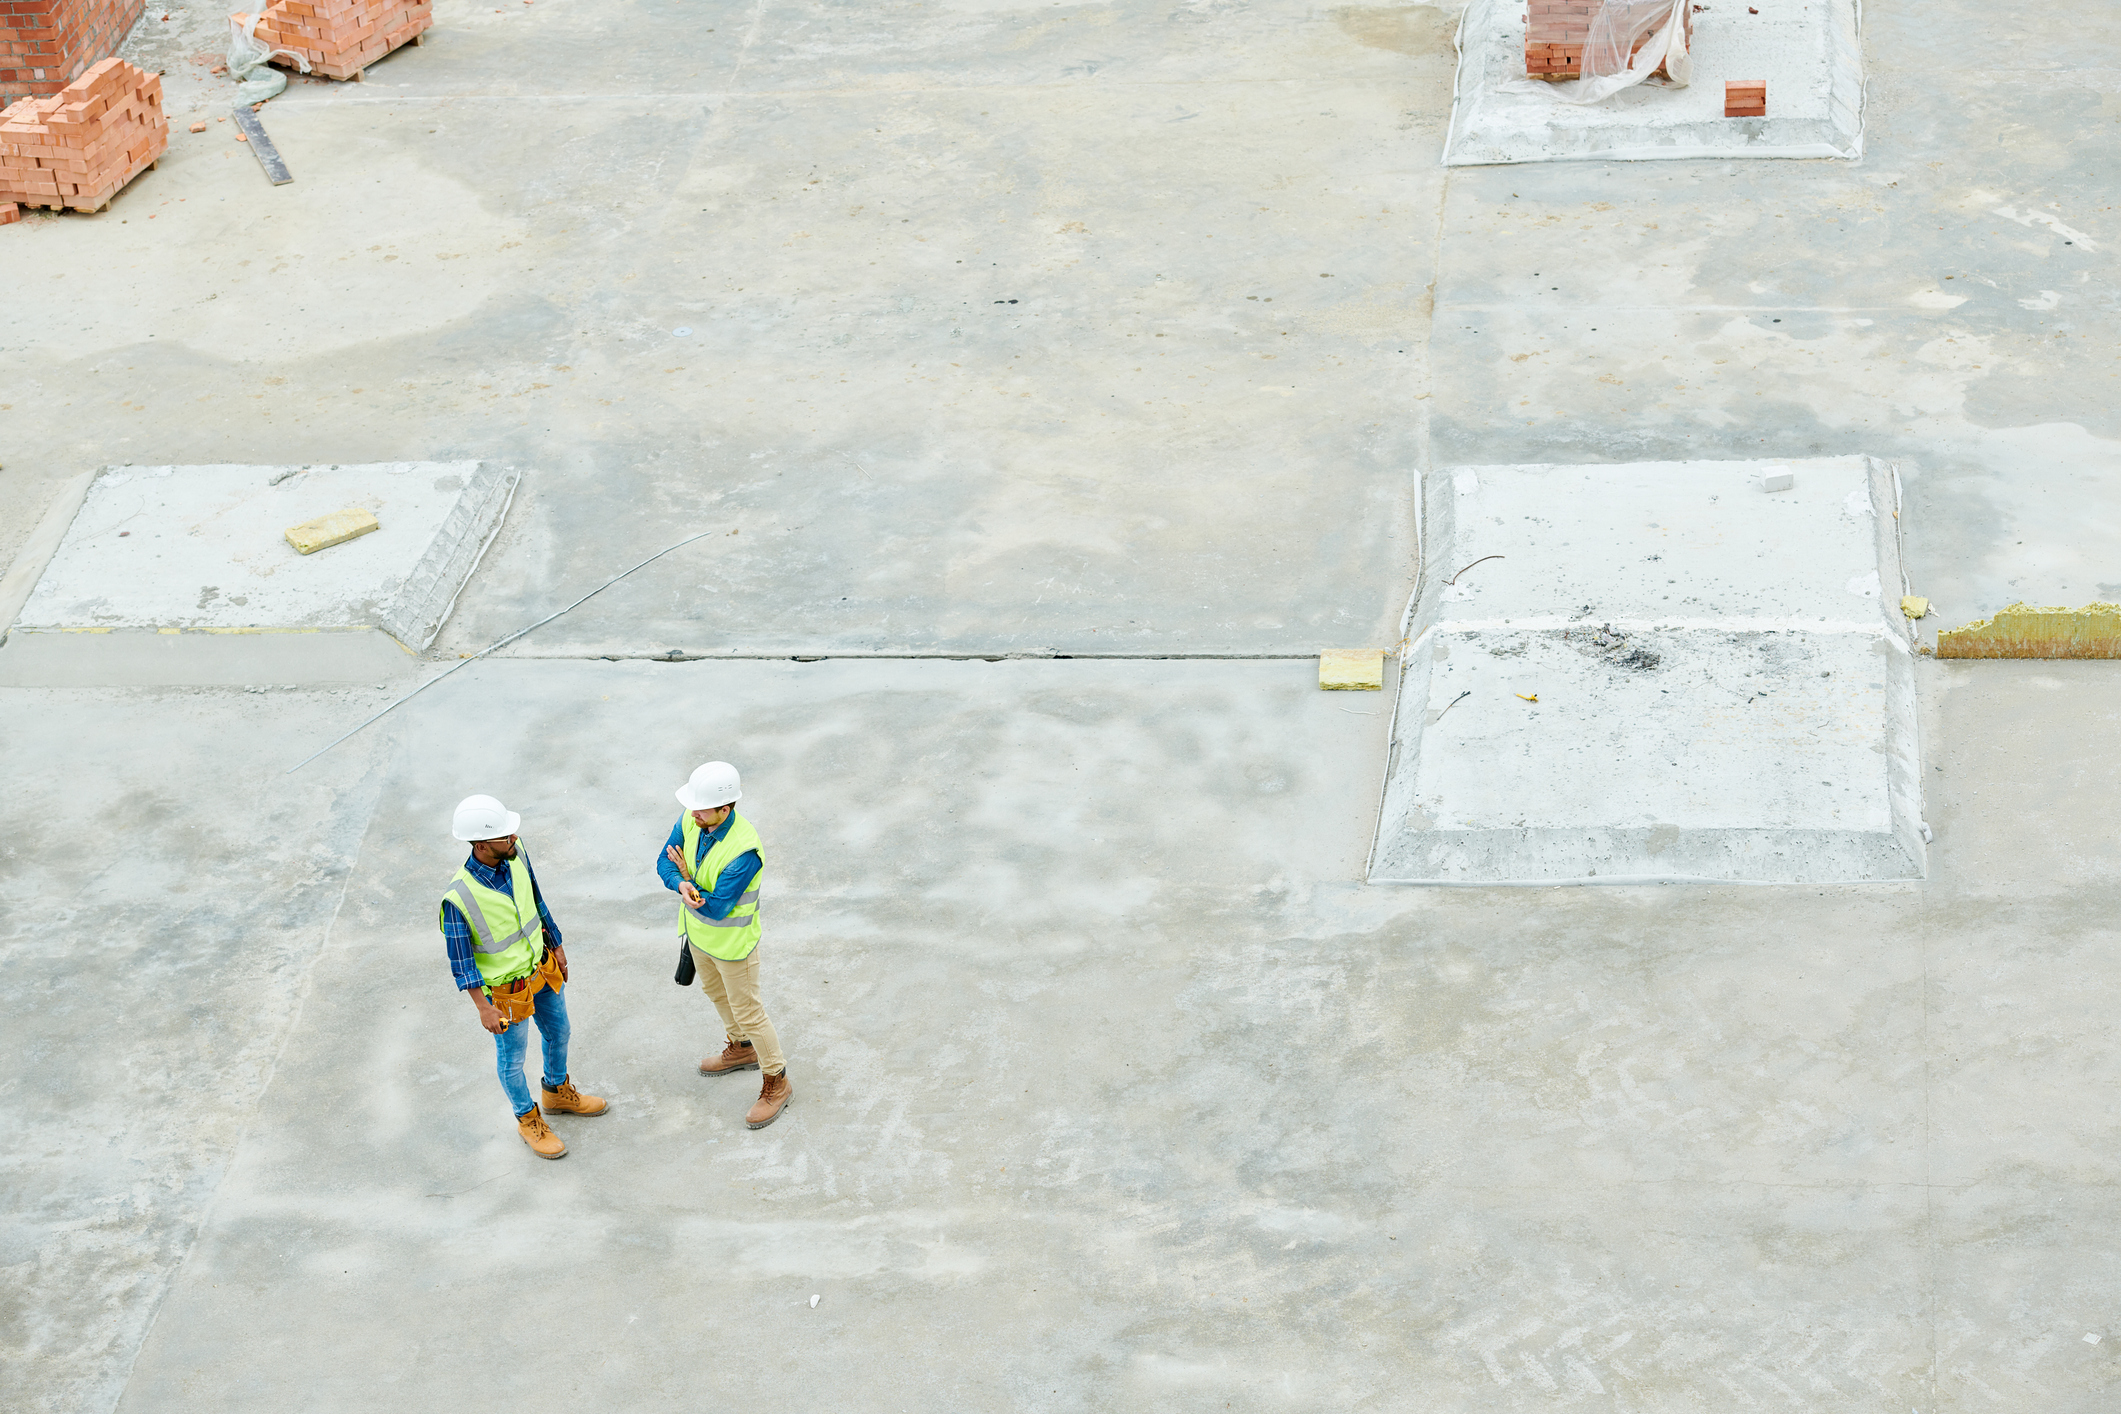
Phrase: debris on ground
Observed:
(2033, 631)
(79, 147)
(1351, 670)
(337, 38)
(335, 529)
(261, 146)
(1914, 606)
(10, 213)
(1615, 648)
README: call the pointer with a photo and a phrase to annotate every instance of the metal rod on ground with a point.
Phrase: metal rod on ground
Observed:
(268, 156)
(503, 643)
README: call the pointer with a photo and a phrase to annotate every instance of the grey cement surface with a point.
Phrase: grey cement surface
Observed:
(1656, 672)
(1273, 1138)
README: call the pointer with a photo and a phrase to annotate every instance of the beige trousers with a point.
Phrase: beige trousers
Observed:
(734, 989)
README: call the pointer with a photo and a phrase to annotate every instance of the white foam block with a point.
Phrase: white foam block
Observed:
(1720, 692)
(204, 548)
(1809, 54)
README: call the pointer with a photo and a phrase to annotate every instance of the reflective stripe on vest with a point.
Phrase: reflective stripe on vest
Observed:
(504, 943)
(731, 939)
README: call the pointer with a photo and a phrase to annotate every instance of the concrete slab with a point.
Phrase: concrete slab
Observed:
(149, 658)
(1108, 1164)
(1720, 1125)
(1655, 671)
(1811, 58)
(205, 549)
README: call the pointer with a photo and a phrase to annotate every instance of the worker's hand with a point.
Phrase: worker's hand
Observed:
(490, 1017)
(559, 955)
(670, 852)
(691, 895)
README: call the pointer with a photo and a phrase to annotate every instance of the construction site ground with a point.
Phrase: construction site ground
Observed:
(1056, 380)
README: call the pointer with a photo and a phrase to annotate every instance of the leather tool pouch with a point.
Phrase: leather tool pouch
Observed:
(686, 971)
(516, 1000)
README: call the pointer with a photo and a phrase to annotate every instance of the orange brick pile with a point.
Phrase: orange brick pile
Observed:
(1745, 98)
(81, 145)
(340, 38)
(45, 44)
(1554, 33)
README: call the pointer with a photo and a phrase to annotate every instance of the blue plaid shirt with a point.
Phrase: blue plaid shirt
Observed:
(456, 933)
(729, 885)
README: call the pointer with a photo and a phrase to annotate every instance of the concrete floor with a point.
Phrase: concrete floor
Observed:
(1117, 1089)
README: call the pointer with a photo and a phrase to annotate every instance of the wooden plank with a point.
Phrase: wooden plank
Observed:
(268, 156)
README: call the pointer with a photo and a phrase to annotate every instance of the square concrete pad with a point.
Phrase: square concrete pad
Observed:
(1809, 56)
(1663, 672)
(205, 548)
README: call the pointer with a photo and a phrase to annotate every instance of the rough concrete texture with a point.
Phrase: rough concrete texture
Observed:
(2029, 631)
(223, 548)
(1809, 55)
(1273, 1138)
(1655, 671)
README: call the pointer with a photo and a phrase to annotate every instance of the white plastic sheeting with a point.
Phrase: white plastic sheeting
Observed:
(1611, 60)
(1809, 54)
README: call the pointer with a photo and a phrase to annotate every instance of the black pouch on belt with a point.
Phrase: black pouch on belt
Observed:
(685, 969)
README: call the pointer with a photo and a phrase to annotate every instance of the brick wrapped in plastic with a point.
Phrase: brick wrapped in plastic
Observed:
(1591, 49)
(336, 38)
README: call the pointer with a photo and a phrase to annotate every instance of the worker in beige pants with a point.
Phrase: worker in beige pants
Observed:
(712, 862)
(733, 987)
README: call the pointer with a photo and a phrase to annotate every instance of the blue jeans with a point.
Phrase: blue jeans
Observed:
(549, 1010)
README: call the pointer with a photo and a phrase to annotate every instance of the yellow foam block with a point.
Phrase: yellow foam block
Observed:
(1914, 605)
(1351, 669)
(335, 529)
(2032, 631)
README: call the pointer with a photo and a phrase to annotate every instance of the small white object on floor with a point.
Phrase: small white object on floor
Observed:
(1777, 481)
(2091, 1337)
(813, 1306)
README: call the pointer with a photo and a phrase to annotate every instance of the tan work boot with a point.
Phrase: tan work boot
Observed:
(737, 1055)
(569, 1101)
(538, 1134)
(773, 1098)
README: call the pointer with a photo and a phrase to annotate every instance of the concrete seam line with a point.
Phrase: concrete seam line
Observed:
(500, 643)
(37, 551)
(790, 656)
(366, 817)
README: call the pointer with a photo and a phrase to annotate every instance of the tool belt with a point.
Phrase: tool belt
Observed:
(515, 1000)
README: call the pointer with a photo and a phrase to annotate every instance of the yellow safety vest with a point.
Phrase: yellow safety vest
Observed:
(507, 936)
(731, 939)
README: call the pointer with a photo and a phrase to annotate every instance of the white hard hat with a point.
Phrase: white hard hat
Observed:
(713, 784)
(481, 817)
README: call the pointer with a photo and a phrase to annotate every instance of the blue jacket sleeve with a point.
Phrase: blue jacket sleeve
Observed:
(456, 936)
(669, 873)
(730, 886)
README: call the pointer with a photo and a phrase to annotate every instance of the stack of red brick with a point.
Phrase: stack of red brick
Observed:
(81, 145)
(1745, 98)
(45, 44)
(1555, 31)
(340, 38)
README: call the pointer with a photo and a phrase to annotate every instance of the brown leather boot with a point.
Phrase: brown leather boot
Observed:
(569, 1101)
(773, 1098)
(538, 1135)
(737, 1055)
